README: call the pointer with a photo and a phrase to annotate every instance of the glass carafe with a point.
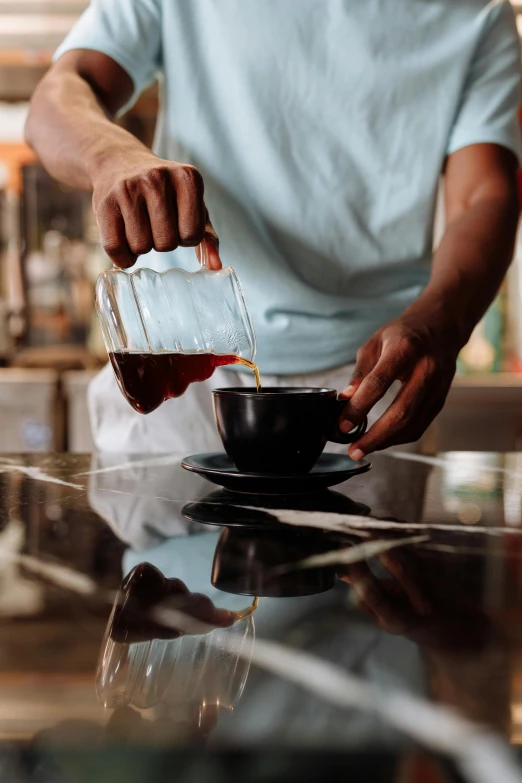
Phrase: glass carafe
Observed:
(163, 331)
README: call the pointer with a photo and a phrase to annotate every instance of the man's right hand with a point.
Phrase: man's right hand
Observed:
(140, 201)
(151, 204)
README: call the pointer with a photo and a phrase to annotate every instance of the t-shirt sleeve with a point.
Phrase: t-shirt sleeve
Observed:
(488, 111)
(128, 31)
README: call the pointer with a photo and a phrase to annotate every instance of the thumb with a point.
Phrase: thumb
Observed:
(367, 358)
(212, 246)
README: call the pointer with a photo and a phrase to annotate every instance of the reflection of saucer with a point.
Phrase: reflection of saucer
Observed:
(228, 509)
(330, 469)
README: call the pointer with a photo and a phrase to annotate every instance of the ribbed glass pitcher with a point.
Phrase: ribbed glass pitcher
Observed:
(165, 330)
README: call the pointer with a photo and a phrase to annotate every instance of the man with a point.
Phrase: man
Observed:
(320, 129)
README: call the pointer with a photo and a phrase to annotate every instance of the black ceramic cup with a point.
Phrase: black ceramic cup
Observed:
(279, 430)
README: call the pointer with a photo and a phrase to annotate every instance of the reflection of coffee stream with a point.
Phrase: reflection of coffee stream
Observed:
(222, 618)
(245, 612)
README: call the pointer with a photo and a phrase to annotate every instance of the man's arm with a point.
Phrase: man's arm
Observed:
(482, 210)
(140, 201)
(420, 348)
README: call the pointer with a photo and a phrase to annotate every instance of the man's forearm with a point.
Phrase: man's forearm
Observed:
(470, 264)
(72, 134)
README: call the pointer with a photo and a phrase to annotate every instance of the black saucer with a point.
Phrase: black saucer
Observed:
(330, 469)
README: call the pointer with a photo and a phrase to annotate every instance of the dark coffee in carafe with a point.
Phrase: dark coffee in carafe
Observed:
(148, 379)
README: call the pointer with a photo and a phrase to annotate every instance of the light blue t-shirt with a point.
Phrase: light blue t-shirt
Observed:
(320, 128)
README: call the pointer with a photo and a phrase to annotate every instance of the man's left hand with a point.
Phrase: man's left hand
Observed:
(419, 350)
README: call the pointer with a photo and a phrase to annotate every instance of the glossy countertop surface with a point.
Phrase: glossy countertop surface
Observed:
(156, 627)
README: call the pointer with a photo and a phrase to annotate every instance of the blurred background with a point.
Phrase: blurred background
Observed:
(50, 343)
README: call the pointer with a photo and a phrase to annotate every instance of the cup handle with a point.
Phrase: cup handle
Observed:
(336, 436)
(203, 254)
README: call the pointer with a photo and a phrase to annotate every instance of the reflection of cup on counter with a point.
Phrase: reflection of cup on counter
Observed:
(203, 662)
(248, 562)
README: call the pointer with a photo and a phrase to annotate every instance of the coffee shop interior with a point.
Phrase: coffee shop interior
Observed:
(50, 342)
(73, 524)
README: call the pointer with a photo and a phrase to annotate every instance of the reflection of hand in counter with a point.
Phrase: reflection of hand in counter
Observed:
(145, 590)
(408, 602)
(466, 659)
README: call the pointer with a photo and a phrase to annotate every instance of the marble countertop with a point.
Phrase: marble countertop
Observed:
(151, 621)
